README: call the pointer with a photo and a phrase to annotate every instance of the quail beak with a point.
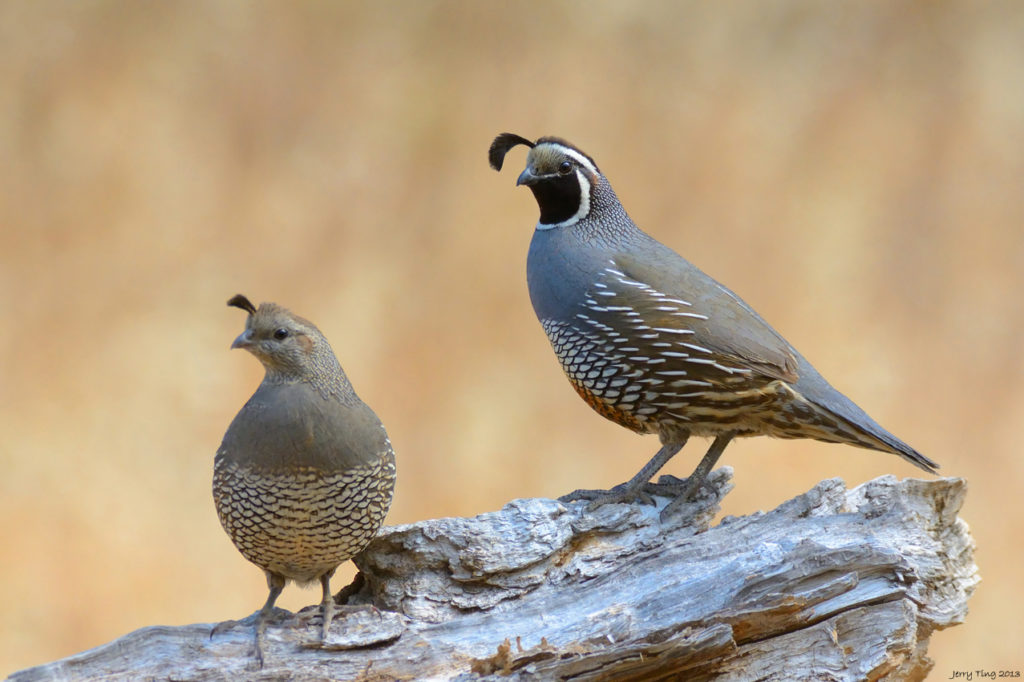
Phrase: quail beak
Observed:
(244, 340)
(527, 178)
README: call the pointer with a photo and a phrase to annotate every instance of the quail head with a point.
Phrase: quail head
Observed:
(305, 474)
(654, 344)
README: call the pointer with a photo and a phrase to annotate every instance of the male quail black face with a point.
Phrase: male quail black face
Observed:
(305, 474)
(654, 344)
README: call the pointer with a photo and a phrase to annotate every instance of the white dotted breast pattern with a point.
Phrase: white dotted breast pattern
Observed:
(301, 522)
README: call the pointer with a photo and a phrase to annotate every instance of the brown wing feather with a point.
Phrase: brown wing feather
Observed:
(716, 320)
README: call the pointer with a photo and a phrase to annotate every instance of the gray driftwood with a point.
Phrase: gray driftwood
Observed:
(833, 584)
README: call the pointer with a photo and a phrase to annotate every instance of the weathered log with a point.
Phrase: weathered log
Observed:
(833, 584)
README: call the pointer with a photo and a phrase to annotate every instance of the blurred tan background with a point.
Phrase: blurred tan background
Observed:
(854, 171)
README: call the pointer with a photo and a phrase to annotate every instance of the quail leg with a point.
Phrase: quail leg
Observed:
(632, 489)
(667, 485)
(329, 606)
(326, 605)
(276, 583)
(692, 484)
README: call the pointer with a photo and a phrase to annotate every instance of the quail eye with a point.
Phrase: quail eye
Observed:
(565, 167)
(281, 334)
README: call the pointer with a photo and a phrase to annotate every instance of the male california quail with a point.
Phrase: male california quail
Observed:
(654, 344)
(305, 474)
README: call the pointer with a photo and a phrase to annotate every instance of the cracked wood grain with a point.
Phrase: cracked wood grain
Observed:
(833, 584)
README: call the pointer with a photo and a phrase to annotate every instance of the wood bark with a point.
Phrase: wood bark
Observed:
(834, 584)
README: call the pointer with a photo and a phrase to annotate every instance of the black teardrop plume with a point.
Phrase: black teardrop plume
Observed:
(502, 143)
(239, 301)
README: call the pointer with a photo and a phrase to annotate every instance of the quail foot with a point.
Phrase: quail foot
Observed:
(305, 474)
(654, 344)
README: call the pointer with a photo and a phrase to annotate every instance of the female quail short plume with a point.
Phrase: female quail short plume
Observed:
(306, 472)
(654, 344)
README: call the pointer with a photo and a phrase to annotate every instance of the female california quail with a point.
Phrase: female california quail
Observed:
(305, 474)
(654, 344)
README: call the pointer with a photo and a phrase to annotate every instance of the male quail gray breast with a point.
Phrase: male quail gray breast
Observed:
(305, 474)
(654, 344)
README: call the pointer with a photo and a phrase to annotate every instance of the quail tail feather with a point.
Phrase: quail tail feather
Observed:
(815, 389)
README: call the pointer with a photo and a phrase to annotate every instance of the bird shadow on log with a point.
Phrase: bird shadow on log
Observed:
(836, 583)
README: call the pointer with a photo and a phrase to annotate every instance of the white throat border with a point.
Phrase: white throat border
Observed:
(584, 204)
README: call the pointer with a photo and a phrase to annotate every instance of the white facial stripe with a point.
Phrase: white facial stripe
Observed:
(584, 204)
(580, 158)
